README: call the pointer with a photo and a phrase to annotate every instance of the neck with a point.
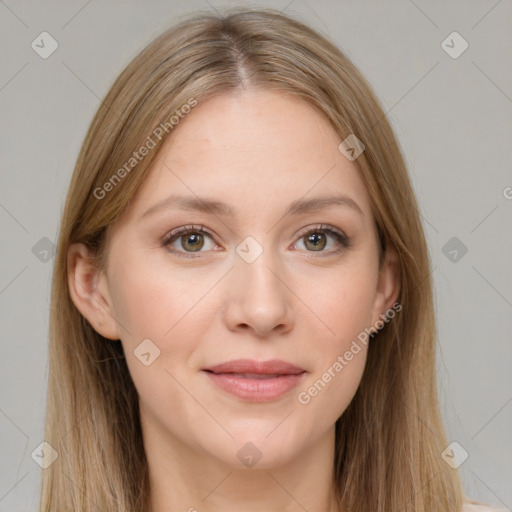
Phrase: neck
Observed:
(182, 478)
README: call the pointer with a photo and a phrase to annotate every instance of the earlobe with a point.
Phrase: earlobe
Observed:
(89, 291)
(388, 287)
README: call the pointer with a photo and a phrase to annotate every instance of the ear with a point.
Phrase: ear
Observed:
(388, 286)
(88, 288)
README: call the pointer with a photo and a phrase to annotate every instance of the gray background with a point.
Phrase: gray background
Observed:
(453, 118)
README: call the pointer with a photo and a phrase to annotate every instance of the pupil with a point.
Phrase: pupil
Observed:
(316, 240)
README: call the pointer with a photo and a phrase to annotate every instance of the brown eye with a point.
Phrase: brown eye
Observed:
(192, 241)
(315, 241)
(187, 240)
(324, 240)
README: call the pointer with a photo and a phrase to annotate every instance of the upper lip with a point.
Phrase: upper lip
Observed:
(272, 366)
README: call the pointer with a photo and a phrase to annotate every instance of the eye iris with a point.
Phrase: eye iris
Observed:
(317, 239)
(194, 241)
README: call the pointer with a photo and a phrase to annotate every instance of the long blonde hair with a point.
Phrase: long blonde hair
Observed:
(390, 438)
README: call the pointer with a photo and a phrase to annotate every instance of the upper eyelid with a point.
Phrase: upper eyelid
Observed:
(321, 227)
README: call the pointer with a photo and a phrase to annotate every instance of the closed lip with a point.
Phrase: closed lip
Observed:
(256, 381)
(250, 366)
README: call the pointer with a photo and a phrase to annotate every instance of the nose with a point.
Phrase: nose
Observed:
(258, 297)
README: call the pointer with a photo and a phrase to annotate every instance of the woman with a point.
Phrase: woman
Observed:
(242, 313)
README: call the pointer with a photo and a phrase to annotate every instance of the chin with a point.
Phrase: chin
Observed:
(257, 449)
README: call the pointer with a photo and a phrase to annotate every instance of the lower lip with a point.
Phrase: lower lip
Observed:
(256, 390)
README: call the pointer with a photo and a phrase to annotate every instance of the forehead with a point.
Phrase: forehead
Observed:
(254, 150)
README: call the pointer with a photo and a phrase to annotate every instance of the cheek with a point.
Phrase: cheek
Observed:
(164, 321)
(153, 300)
(342, 299)
(169, 307)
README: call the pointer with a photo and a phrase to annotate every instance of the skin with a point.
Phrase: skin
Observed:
(292, 303)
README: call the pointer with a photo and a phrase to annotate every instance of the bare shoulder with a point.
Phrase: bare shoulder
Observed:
(470, 507)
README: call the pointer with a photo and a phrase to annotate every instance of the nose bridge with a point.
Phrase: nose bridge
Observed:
(259, 297)
(258, 274)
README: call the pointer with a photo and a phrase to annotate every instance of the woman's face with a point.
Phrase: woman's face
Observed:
(276, 288)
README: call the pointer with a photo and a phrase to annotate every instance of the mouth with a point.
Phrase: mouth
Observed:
(256, 381)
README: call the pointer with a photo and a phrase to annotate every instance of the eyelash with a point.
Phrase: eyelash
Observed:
(339, 236)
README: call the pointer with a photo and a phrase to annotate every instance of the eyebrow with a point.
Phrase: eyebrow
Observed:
(214, 207)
